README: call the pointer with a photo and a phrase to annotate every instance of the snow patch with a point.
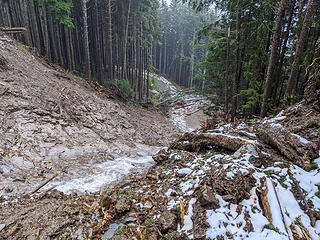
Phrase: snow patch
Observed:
(186, 171)
(301, 139)
(188, 224)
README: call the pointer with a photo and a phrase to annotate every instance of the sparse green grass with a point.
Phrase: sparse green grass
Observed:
(121, 230)
(253, 208)
(282, 179)
(186, 178)
(313, 165)
(313, 124)
(209, 155)
(271, 227)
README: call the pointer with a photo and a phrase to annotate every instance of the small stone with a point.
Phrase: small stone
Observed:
(173, 194)
(8, 189)
(162, 176)
(111, 231)
(110, 157)
(130, 219)
(167, 220)
(148, 205)
(161, 156)
(153, 236)
(105, 202)
(2, 226)
(207, 198)
(123, 205)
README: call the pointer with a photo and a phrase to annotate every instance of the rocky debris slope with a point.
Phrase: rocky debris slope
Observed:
(230, 182)
(51, 121)
(184, 107)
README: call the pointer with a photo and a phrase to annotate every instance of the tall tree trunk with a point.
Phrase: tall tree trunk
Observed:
(273, 57)
(226, 77)
(59, 36)
(110, 40)
(35, 29)
(86, 38)
(124, 65)
(98, 51)
(25, 14)
(135, 57)
(52, 37)
(160, 60)
(68, 46)
(204, 72)
(181, 60)
(292, 82)
(165, 57)
(45, 31)
(279, 78)
(236, 80)
(192, 60)
(149, 51)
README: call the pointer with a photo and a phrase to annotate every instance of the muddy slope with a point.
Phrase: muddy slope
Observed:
(50, 120)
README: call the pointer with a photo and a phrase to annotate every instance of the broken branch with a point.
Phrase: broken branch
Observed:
(43, 184)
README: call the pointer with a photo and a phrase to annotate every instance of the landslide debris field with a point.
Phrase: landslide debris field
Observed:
(52, 122)
(249, 180)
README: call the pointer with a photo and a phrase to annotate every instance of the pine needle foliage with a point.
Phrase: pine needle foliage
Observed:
(62, 10)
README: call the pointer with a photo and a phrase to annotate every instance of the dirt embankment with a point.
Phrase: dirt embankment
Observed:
(51, 121)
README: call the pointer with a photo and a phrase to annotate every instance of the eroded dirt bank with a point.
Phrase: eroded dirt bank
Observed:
(52, 122)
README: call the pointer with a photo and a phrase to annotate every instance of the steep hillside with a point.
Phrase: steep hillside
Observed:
(52, 121)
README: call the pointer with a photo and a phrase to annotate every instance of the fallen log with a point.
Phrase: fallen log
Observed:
(44, 183)
(305, 205)
(46, 192)
(188, 114)
(291, 146)
(282, 216)
(193, 142)
(262, 192)
(13, 30)
(304, 231)
(296, 235)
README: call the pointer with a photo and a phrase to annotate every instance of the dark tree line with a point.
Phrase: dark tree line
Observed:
(253, 56)
(111, 41)
(261, 66)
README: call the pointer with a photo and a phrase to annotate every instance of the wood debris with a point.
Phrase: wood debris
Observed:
(13, 30)
(262, 192)
(197, 142)
(304, 231)
(44, 183)
(182, 212)
(296, 235)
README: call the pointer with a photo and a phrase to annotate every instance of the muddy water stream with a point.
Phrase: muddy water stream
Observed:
(96, 165)
(187, 116)
(94, 177)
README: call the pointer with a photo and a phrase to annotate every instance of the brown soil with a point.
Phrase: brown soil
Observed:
(51, 121)
(3, 64)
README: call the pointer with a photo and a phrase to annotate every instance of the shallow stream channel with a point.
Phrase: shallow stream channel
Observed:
(98, 176)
